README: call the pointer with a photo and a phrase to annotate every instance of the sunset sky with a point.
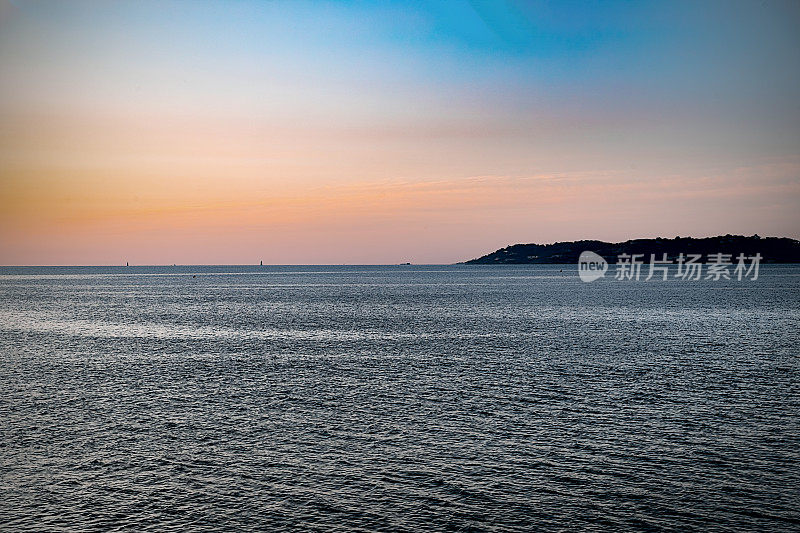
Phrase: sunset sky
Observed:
(384, 132)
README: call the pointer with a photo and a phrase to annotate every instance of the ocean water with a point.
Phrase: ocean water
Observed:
(406, 398)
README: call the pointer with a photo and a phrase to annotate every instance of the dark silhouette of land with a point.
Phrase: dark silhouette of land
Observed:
(772, 250)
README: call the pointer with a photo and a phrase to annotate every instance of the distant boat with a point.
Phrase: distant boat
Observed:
(126, 263)
(405, 263)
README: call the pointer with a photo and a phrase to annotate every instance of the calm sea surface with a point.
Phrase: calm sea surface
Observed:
(403, 398)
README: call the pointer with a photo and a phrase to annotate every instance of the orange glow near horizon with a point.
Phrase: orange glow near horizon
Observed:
(114, 148)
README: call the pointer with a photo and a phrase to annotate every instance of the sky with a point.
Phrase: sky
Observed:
(384, 132)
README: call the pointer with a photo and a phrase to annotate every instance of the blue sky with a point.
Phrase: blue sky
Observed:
(668, 109)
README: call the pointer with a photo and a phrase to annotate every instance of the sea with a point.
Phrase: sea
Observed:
(397, 398)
